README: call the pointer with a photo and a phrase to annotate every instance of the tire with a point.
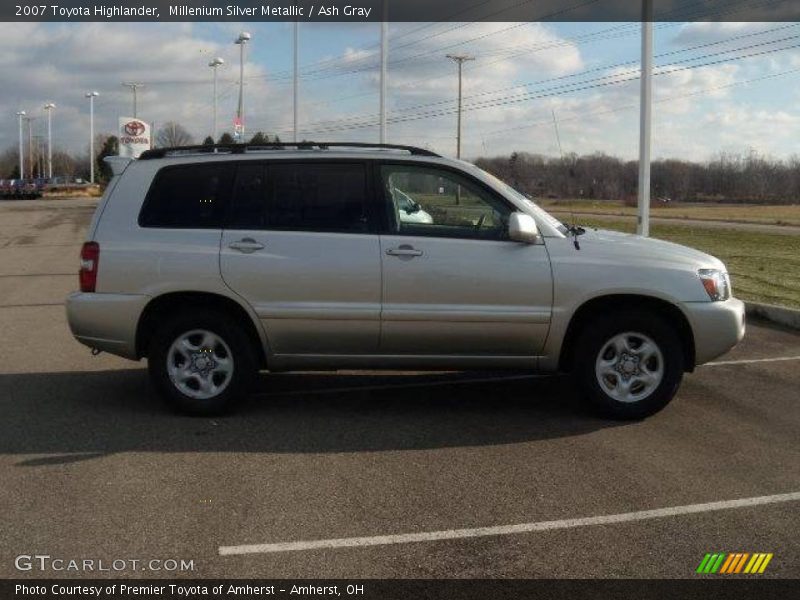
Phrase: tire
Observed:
(629, 365)
(201, 362)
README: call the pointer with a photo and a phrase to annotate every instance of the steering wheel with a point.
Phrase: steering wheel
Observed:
(480, 222)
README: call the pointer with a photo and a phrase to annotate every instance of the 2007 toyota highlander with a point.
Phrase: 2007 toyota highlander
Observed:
(214, 263)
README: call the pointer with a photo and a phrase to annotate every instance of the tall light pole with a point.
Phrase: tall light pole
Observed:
(295, 83)
(91, 96)
(49, 108)
(384, 60)
(459, 59)
(242, 40)
(215, 64)
(21, 114)
(134, 87)
(29, 121)
(645, 118)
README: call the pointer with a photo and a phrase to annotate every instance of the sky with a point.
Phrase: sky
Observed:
(722, 87)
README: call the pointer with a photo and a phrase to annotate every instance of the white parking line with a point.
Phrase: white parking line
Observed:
(749, 361)
(454, 534)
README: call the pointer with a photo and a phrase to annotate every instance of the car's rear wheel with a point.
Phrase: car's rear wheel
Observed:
(202, 362)
(629, 365)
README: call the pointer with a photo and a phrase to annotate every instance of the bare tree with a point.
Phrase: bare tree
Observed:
(173, 134)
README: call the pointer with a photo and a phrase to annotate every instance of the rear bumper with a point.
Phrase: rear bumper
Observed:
(107, 322)
(717, 327)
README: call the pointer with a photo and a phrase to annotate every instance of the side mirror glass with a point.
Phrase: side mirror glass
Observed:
(522, 228)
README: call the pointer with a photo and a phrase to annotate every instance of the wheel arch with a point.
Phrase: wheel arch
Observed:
(620, 303)
(169, 303)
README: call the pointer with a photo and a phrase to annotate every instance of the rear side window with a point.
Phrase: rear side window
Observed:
(321, 197)
(188, 197)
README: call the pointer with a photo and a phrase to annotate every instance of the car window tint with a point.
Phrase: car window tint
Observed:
(439, 203)
(188, 196)
(317, 197)
(248, 209)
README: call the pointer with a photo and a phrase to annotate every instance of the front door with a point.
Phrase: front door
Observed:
(453, 283)
(301, 248)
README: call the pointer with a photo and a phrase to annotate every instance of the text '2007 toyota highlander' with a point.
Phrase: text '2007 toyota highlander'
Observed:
(214, 263)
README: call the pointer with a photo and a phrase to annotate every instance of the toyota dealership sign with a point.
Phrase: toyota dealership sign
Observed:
(134, 137)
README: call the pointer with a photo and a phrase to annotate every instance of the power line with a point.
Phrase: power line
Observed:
(578, 86)
(361, 121)
(548, 122)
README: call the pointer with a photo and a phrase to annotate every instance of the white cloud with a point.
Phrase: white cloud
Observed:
(696, 111)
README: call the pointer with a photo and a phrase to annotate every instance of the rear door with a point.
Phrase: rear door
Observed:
(300, 245)
(453, 283)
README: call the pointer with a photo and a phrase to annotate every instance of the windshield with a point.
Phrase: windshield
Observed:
(533, 208)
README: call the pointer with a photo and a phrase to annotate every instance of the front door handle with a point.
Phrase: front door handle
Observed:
(246, 245)
(404, 250)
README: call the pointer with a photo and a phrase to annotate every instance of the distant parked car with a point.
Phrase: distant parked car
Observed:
(25, 189)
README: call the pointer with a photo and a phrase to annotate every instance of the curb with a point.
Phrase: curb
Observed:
(787, 317)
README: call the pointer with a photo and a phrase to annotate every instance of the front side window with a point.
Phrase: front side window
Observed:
(188, 197)
(440, 203)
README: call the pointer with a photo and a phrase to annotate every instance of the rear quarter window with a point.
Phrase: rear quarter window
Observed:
(188, 197)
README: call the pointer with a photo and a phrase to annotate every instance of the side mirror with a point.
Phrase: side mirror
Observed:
(522, 228)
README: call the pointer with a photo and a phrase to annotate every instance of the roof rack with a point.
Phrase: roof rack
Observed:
(244, 148)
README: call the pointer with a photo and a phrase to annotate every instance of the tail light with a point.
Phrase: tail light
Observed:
(90, 256)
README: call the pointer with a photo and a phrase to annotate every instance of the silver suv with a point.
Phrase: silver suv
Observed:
(217, 262)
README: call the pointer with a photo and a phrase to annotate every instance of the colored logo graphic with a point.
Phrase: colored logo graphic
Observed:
(734, 562)
(134, 128)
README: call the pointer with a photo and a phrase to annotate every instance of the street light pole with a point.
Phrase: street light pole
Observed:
(645, 120)
(459, 59)
(49, 108)
(243, 38)
(21, 114)
(295, 82)
(134, 87)
(384, 61)
(214, 64)
(29, 121)
(91, 96)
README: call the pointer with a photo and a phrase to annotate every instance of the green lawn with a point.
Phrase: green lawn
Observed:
(785, 214)
(764, 267)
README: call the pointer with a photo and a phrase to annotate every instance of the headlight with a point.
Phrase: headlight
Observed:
(716, 282)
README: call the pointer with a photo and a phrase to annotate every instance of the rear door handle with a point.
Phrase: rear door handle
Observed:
(404, 250)
(246, 245)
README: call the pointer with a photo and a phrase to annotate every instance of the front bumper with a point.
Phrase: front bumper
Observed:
(717, 327)
(107, 322)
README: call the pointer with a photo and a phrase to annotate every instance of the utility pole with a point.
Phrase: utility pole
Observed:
(296, 82)
(459, 59)
(215, 64)
(241, 41)
(91, 96)
(134, 87)
(49, 108)
(20, 115)
(29, 121)
(645, 120)
(384, 61)
(39, 156)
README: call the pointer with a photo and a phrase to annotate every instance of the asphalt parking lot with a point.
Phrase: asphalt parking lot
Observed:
(92, 467)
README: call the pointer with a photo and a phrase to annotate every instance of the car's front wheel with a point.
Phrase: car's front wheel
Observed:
(201, 362)
(629, 365)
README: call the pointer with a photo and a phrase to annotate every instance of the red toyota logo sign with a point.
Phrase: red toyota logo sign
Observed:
(134, 128)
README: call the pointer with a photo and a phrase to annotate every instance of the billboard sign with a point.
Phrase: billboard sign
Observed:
(134, 137)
